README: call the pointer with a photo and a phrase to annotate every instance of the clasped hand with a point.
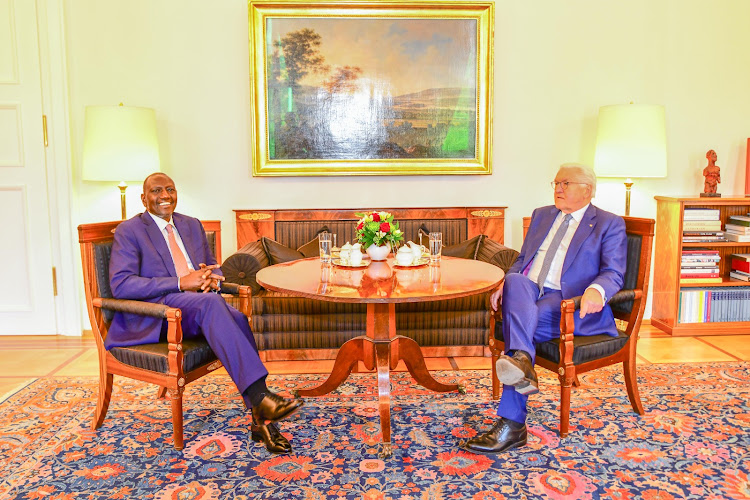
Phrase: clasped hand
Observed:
(202, 279)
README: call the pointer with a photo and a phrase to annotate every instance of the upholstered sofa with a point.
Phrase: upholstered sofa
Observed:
(288, 327)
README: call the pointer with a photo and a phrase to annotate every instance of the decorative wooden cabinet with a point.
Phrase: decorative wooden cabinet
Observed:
(668, 249)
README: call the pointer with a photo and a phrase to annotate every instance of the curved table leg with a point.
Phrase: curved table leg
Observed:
(382, 356)
(410, 352)
(349, 354)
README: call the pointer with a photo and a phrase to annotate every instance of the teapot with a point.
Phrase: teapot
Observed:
(345, 252)
(355, 255)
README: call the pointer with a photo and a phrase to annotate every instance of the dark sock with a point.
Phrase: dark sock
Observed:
(255, 392)
(515, 425)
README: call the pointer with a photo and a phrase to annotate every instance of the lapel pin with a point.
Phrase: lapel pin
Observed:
(591, 225)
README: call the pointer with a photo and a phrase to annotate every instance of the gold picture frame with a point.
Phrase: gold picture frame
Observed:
(371, 88)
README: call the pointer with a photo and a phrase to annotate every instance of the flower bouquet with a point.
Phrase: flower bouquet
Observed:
(378, 229)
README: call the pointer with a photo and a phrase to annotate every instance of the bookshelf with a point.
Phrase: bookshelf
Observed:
(667, 257)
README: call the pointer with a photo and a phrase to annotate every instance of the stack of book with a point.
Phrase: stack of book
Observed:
(701, 225)
(740, 263)
(738, 228)
(699, 265)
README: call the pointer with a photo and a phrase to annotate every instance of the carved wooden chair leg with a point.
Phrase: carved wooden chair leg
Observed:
(576, 382)
(102, 403)
(631, 383)
(161, 392)
(565, 387)
(495, 381)
(176, 396)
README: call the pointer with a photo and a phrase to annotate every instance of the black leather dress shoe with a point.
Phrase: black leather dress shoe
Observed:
(274, 408)
(517, 371)
(504, 435)
(271, 438)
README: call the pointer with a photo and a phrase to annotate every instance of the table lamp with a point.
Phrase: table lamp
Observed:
(631, 141)
(119, 144)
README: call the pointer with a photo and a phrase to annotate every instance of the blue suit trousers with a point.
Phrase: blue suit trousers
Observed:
(226, 330)
(527, 320)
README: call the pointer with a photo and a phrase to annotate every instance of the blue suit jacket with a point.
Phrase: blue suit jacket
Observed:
(597, 254)
(141, 268)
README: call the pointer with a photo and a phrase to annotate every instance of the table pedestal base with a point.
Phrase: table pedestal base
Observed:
(381, 348)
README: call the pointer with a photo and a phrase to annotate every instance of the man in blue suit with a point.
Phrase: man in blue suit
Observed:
(163, 257)
(572, 248)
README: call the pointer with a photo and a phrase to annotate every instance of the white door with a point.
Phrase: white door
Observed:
(27, 305)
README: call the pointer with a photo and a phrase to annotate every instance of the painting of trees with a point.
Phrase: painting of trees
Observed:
(334, 94)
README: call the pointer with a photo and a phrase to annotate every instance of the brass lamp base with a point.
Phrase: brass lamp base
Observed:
(628, 185)
(122, 187)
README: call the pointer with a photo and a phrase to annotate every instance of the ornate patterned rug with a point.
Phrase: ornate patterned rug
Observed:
(693, 442)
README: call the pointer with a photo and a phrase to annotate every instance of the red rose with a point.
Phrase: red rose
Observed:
(385, 227)
(360, 225)
(376, 217)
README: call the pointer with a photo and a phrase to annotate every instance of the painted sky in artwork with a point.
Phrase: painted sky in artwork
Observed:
(402, 55)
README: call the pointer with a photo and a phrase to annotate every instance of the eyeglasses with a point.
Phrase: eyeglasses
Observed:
(564, 184)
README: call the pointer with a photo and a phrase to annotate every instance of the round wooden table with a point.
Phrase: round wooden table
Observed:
(381, 285)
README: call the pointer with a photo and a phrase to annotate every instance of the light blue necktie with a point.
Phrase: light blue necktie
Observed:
(551, 252)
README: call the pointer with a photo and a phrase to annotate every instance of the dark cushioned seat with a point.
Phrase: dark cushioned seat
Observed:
(586, 348)
(153, 357)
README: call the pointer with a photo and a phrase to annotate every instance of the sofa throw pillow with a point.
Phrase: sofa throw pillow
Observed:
(493, 252)
(465, 250)
(311, 248)
(278, 253)
(242, 266)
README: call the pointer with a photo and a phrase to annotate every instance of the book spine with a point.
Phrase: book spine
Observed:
(738, 222)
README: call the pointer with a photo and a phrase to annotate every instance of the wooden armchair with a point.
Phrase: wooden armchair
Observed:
(570, 355)
(171, 364)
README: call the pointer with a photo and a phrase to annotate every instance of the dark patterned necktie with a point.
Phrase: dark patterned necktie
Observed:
(551, 252)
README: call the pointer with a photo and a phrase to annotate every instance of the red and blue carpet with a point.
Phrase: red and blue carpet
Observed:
(693, 441)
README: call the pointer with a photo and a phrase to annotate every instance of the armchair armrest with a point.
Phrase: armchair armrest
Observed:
(235, 289)
(569, 306)
(244, 292)
(171, 314)
(621, 296)
(134, 307)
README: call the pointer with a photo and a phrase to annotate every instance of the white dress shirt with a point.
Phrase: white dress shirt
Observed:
(555, 272)
(162, 224)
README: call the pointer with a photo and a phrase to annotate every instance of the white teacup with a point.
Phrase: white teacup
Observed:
(404, 256)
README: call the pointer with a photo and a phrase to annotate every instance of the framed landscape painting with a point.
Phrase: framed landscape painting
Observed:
(371, 88)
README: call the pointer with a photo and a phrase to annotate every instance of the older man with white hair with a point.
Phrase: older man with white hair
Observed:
(572, 248)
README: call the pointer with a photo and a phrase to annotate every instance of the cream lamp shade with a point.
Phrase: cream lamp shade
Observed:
(119, 144)
(631, 141)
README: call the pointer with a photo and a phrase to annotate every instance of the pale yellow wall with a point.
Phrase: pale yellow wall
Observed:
(556, 62)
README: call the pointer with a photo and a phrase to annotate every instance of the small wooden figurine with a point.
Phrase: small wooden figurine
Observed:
(712, 173)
